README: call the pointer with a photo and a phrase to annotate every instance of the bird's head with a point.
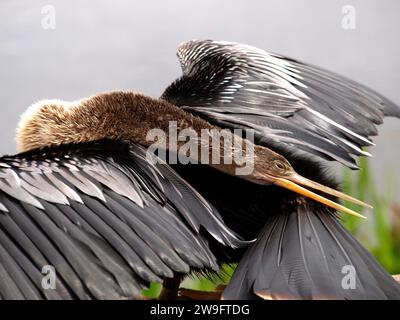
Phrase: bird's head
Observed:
(272, 168)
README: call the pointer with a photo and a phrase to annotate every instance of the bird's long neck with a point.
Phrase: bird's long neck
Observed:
(123, 116)
(115, 116)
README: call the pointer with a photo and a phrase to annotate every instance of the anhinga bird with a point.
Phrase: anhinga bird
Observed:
(84, 196)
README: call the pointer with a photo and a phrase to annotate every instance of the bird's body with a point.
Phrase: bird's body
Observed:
(86, 197)
(302, 249)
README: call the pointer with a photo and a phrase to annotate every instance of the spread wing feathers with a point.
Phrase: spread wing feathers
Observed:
(309, 255)
(285, 101)
(106, 218)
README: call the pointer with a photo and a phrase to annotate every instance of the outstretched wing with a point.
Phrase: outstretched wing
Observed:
(105, 217)
(289, 104)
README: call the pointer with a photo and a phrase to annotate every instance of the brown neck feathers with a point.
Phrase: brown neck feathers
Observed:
(115, 115)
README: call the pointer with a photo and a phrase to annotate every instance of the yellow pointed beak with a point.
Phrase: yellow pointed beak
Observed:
(296, 183)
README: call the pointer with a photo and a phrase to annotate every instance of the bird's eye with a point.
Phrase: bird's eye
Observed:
(280, 165)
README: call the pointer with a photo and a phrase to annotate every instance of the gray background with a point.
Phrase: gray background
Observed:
(105, 45)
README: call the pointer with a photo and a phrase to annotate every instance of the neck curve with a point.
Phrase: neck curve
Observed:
(125, 116)
(116, 115)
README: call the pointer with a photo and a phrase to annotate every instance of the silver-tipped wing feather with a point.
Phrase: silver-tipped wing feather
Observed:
(105, 217)
(289, 104)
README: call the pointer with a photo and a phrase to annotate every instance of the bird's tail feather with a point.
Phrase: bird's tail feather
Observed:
(307, 254)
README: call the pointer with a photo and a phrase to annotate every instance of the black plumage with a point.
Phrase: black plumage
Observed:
(300, 111)
(301, 246)
(110, 220)
(105, 217)
(305, 253)
(289, 104)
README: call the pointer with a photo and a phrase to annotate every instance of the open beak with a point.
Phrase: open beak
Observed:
(296, 183)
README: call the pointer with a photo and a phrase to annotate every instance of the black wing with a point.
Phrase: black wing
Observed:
(306, 254)
(289, 104)
(107, 218)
